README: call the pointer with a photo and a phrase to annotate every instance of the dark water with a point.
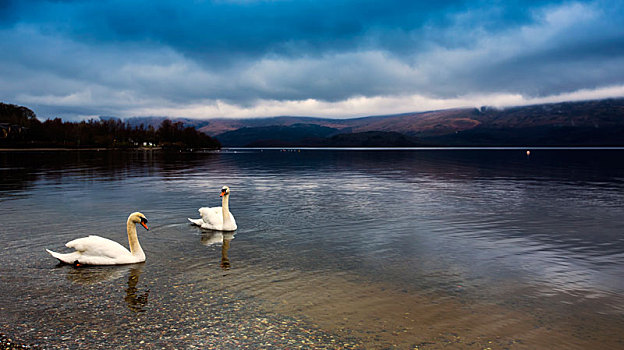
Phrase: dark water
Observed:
(365, 249)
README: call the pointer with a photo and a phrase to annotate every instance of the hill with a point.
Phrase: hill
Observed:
(372, 139)
(309, 135)
(277, 135)
(584, 123)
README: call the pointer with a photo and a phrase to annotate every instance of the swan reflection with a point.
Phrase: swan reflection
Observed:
(136, 300)
(86, 275)
(209, 238)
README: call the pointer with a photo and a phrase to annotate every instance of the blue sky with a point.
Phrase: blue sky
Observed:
(246, 58)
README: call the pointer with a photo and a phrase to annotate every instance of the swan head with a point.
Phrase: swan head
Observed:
(225, 191)
(138, 218)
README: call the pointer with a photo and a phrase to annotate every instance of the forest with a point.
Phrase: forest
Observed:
(20, 128)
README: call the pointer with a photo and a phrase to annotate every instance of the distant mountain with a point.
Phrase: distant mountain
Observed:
(310, 135)
(372, 139)
(584, 123)
(145, 121)
(155, 122)
(277, 136)
(105, 118)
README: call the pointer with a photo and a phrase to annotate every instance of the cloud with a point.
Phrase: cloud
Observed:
(324, 58)
(363, 106)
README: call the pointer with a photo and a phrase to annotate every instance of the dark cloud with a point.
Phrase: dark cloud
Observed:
(82, 57)
(220, 29)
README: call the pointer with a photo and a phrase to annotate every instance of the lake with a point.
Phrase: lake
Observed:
(364, 249)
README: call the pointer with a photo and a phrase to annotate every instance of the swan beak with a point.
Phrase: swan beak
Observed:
(222, 193)
(144, 223)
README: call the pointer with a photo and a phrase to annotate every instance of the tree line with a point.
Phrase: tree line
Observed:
(19, 127)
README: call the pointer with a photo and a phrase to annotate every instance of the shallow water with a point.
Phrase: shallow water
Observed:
(343, 248)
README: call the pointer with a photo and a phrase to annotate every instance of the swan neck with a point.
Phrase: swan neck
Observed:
(225, 208)
(225, 261)
(133, 239)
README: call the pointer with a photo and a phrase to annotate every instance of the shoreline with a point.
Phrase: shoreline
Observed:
(293, 148)
(65, 149)
(103, 149)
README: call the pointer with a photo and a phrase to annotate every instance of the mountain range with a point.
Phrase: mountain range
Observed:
(583, 123)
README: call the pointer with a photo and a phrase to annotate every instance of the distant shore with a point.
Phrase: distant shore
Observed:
(294, 148)
(47, 149)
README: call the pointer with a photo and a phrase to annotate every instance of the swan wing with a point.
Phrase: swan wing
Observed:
(212, 216)
(96, 246)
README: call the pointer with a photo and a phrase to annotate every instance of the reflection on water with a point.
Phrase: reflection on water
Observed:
(87, 275)
(225, 261)
(135, 299)
(538, 238)
(210, 237)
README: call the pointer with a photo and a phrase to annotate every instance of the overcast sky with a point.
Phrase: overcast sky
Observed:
(329, 58)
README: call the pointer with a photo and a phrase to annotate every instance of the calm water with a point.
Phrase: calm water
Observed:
(364, 249)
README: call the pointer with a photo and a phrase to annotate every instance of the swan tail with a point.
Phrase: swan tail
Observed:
(197, 222)
(68, 258)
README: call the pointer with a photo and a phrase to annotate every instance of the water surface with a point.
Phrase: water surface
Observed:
(335, 248)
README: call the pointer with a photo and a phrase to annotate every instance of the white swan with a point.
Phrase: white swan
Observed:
(96, 250)
(217, 218)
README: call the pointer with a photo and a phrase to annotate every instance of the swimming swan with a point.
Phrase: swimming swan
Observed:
(217, 218)
(96, 250)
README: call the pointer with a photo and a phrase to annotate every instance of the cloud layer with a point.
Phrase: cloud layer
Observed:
(246, 58)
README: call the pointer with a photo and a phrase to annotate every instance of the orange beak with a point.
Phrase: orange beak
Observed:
(144, 225)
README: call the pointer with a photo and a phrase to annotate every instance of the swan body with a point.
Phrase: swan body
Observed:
(96, 250)
(217, 218)
(210, 237)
